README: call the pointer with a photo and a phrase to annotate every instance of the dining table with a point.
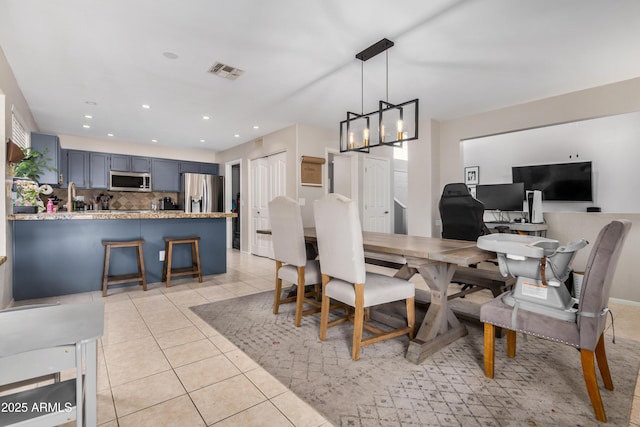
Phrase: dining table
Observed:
(436, 260)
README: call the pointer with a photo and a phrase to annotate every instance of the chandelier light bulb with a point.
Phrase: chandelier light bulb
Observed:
(400, 126)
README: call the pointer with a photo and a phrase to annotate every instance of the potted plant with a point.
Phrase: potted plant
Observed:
(28, 196)
(26, 173)
(32, 165)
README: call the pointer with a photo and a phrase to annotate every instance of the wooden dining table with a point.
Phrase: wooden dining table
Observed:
(435, 259)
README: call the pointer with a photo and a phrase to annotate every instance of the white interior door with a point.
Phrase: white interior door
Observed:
(376, 200)
(259, 206)
(268, 180)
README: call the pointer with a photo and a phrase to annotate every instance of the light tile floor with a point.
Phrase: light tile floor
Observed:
(161, 365)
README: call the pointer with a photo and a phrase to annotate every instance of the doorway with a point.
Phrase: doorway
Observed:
(233, 202)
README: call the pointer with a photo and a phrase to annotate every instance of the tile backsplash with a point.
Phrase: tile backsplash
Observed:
(122, 200)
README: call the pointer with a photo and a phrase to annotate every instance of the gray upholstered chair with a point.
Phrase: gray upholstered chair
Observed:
(344, 278)
(586, 333)
(291, 257)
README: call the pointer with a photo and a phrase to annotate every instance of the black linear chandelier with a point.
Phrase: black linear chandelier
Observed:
(392, 123)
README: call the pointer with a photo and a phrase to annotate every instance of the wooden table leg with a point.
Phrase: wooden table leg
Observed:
(440, 326)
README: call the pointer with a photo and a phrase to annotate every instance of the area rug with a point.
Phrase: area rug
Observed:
(542, 386)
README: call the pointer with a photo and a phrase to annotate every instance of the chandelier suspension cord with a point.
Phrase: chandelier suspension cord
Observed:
(386, 54)
(361, 87)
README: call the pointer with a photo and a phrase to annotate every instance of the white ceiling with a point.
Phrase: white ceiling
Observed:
(458, 57)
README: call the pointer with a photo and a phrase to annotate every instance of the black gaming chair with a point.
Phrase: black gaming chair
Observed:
(461, 214)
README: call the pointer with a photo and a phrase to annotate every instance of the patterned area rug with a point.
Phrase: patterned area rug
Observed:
(542, 386)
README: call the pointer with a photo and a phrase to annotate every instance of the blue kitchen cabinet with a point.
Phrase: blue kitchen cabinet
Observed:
(198, 167)
(125, 163)
(210, 168)
(99, 170)
(140, 164)
(120, 163)
(49, 146)
(165, 175)
(190, 167)
(78, 168)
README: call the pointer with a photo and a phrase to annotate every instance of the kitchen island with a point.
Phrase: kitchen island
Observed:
(62, 253)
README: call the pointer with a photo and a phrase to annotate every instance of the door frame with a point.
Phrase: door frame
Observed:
(228, 200)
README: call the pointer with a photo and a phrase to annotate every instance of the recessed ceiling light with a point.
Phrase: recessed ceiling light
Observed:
(146, 106)
(86, 126)
(154, 140)
(109, 134)
(256, 127)
(170, 55)
(206, 117)
(88, 116)
(236, 135)
(202, 140)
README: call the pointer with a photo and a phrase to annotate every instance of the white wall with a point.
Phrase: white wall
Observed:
(312, 141)
(611, 143)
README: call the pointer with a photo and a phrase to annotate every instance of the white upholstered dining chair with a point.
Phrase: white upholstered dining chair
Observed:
(291, 257)
(344, 278)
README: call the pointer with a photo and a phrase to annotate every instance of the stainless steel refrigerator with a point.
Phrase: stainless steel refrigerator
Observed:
(201, 193)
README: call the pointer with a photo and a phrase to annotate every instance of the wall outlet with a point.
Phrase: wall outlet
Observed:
(438, 222)
(302, 201)
(161, 255)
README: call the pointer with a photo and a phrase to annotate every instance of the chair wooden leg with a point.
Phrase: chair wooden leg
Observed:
(489, 349)
(589, 372)
(511, 343)
(324, 311)
(199, 267)
(141, 269)
(169, 259)
(358, 321)
(164, 263)
(299, 296)
(411, 316)
(105, 270)
(276, 295)
(603, 365)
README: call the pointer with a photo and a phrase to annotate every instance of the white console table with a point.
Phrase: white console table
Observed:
(45, 340)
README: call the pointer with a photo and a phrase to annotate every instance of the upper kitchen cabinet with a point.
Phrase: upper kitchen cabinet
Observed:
(99, 170)
(124, 163)
(78, 168)
(49, 146)
(140, 164)
(198, 167)
(210, 168)
(120, 163)
(165, 175)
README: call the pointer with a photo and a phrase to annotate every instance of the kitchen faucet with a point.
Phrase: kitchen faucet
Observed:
(71, 194)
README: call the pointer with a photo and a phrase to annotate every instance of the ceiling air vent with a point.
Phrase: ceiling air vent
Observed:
(225, 71)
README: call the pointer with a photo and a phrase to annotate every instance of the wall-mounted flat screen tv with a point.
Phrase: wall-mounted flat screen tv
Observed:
(502, 197)
(566, 182)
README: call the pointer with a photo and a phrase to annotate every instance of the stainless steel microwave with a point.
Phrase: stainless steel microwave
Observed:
(129, 181)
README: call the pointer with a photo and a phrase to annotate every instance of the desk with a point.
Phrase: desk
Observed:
(46, 340)
(527, 227)
(436, 260)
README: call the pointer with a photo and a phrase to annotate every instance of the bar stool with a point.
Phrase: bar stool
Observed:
(123, 278)
(194, 270)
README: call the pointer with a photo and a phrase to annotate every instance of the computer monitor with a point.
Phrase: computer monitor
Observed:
(501, 197)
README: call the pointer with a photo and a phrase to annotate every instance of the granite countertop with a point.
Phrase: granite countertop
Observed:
(114, 214)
